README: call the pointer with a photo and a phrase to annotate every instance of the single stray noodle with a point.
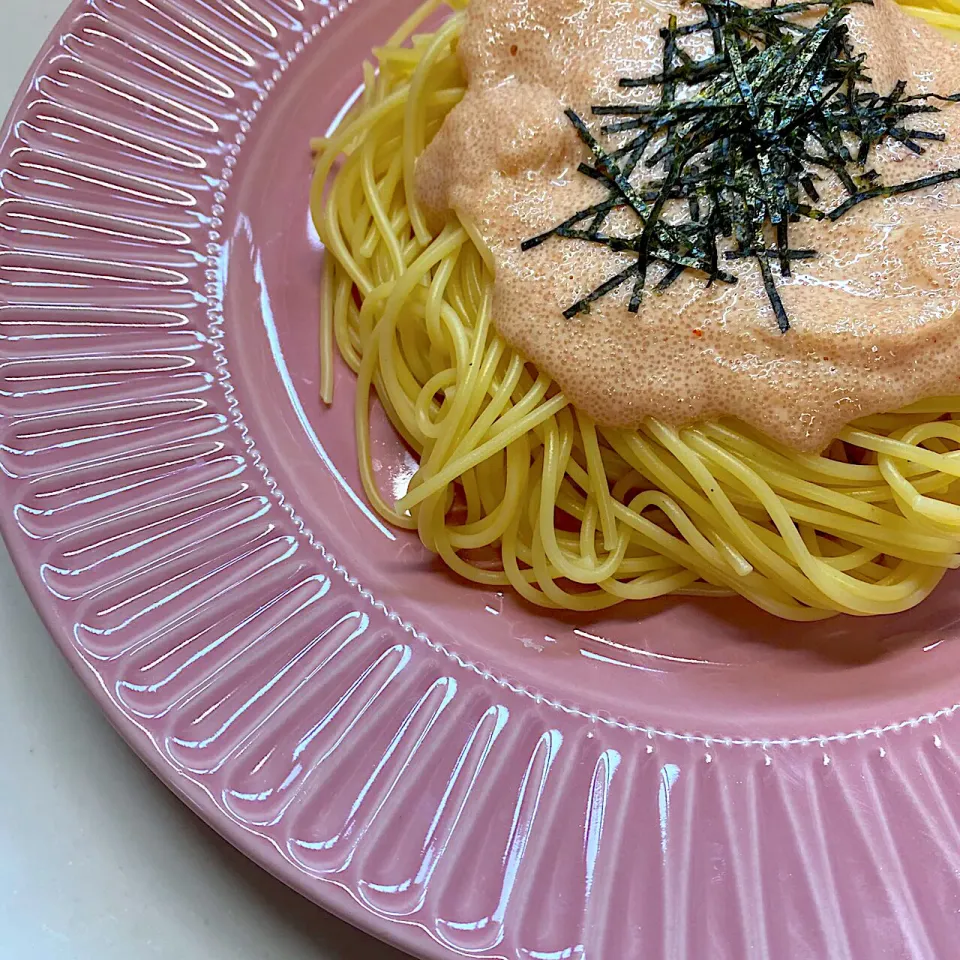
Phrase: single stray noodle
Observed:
(517, 488)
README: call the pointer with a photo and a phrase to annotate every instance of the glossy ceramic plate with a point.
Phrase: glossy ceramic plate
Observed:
(445, 767)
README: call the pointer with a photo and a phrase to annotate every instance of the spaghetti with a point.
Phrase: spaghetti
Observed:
(517, 488)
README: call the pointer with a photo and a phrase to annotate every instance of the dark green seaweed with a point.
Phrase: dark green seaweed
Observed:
(741, 137)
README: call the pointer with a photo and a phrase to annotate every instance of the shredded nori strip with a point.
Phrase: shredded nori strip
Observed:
(741, 138)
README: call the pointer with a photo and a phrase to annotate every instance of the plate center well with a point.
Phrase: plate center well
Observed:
(709, 667)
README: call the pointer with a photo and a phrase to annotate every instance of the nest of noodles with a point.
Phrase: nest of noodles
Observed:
(517, 488)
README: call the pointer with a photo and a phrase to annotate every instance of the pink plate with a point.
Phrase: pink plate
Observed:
(445, 767)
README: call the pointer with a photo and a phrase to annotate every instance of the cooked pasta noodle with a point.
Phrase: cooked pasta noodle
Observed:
(517, 488)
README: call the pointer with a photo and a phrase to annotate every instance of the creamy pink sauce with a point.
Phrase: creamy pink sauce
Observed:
(875, 321)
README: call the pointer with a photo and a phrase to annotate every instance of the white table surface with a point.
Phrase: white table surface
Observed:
(97, 860)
